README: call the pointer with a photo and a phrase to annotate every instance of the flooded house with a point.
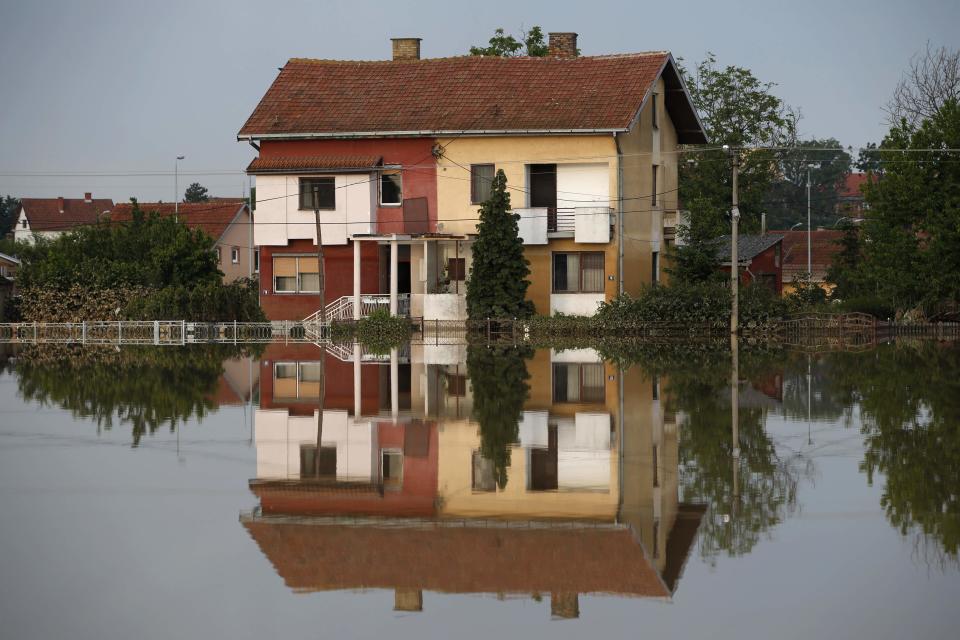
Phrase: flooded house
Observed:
(397, 156)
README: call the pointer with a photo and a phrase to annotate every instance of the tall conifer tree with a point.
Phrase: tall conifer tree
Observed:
(498, 282)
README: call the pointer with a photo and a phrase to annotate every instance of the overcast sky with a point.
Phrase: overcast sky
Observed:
(119, 87)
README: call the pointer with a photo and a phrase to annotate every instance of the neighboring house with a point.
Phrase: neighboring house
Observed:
(401, 153)
(8, 266)
(228, 222)
(49, 217)
(824, 245)
(401, 497)
(850, 198)
(760, 257)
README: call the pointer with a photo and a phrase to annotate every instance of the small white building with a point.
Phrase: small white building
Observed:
(49, 217)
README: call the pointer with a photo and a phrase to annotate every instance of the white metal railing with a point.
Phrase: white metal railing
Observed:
(342, 308)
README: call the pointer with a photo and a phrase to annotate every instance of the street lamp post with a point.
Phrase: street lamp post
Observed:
(176, 189)
(809, 232)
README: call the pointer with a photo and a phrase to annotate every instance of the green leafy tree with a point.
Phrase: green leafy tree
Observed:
(529, 43)
(196, 192)
(844, 271)
(9, 209)
(738, 110)
(498, 283)
(787, 200)
(498, 377)
(911, 240)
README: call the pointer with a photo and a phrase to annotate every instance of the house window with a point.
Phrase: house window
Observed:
(656, 115)
(457, 269)
(256, 260)
(391, 188)
(235, 255)
(573, 382)
(456, 385)
(23, 223)
(312, 467)
(296, 274)
(483, 478)
(481, 177)
(578, 272)
(391, 469)
(653, 186)
(296, 380)
(326, 193)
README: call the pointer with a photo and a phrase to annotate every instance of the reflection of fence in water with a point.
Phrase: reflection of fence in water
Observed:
(161, 332)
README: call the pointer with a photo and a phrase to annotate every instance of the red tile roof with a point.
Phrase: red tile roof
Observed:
(307, 164)
(212, 217)
(823, 247)
(852, 185)
(44, 214)
(462, 559)
(469, 93)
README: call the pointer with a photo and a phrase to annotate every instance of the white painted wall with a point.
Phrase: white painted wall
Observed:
(532, 225)
(444, 306)
(583, 447)
(278, 219)
(278, 437)
(591, 224)
(575, 304)
(582, 184)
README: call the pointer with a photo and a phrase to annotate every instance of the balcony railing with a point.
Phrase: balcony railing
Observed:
(561, 219)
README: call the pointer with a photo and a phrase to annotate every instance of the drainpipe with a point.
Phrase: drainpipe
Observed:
(616, 141)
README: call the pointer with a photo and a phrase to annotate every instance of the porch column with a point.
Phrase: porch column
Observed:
(356, 279)
(356, 381)
(394, 262)
(395, 382)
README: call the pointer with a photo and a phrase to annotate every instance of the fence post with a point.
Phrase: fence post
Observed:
(83, 332)
(35, 331)
(235, 336)
(183, 332)
(156, 332)
(119, 332)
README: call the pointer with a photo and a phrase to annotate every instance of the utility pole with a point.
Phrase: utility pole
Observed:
(809, 242)
(734, 239)
(322, 390)
(176, 189)
(320, 269)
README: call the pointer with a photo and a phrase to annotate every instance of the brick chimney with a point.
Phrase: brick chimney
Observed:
(563, 44)
(88, 197)
(406, 48)
(60, 204)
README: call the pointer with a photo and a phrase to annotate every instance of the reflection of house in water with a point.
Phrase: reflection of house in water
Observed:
(237, 384)
(404, 500)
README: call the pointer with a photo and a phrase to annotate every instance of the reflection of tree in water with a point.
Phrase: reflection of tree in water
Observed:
(498, 376)
(697, 383)
(909, 400)
(145, 387)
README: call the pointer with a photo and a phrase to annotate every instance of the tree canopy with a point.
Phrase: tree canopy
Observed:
(931, 80)
(530, 43)
(196, 192)
(9, 208)
(498, 283)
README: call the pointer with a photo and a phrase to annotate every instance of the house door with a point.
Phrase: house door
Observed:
(543, 191)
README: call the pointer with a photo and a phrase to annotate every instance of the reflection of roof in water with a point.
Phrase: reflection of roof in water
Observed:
(317, 554)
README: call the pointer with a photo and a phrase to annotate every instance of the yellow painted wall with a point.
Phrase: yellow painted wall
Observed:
(512, 154)
(643, 222)
(541, 268)
(540, 368)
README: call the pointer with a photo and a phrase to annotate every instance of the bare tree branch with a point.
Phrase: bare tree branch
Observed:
(932, 78)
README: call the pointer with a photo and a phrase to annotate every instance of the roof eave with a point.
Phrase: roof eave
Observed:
(424, 134)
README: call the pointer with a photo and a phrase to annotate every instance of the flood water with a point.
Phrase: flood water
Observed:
(158, 492)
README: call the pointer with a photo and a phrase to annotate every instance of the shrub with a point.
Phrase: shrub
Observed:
(207, 302)
(379, 332)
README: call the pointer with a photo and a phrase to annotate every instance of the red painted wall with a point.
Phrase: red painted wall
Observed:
(338, 261)
(764, 263)
(339, 381)
(413, 154)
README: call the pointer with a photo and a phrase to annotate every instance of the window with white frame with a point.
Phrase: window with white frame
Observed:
(235, 255)
(256, 260)
(296, 274)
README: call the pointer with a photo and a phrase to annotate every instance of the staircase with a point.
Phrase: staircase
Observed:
(342, 309)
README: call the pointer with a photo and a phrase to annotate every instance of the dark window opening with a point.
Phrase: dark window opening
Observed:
(578, 272)
(543, 191)
(573, 382)
(544, 474)
(308, 461)
(326, 194)
(391, 188)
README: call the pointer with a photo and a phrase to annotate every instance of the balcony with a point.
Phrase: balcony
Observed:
(583, 224)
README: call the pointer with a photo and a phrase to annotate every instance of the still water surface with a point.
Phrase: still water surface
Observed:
(167, 492)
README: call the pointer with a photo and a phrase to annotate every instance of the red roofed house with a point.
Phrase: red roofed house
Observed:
(824, 245)
(850, 199)
(49, 217)
(400, 154)
(228, 222)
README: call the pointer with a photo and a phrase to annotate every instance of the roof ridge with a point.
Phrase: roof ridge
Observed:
(636, 54)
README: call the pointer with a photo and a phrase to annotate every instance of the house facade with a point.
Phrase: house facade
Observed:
(228, 222)
(760, 256)
(399, 163)
(50, 217)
